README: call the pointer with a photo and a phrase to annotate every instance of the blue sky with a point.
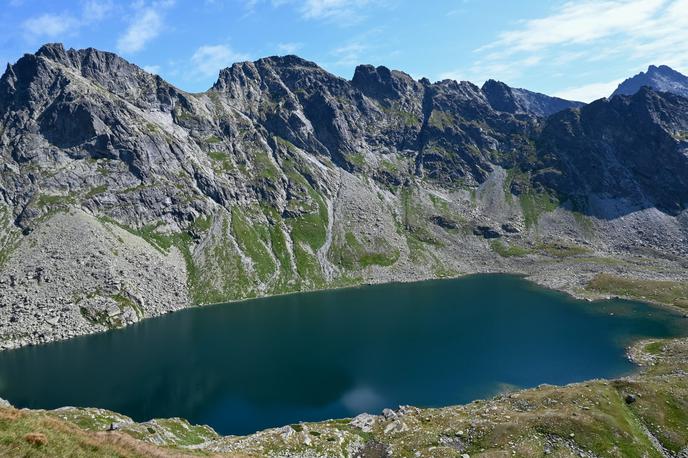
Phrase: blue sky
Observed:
(574, 49)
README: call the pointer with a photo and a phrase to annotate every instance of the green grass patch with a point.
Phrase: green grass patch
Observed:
(251, 243)
(534, 204)
(441, 119)
(95, 191)
(660, 291)
(356, 159)
(507, 250)
(407, 118)
(125, 302)
(560, 249)
(48, 200)
(351, 254)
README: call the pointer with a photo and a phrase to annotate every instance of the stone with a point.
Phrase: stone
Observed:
(364, 422)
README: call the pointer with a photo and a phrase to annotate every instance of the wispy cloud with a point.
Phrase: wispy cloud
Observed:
(143, 29)
(56, 26)
(49, 25)
(350, 53)
(589, 92)
(587, 31)
(154, 69)
(145, 25)
(342, 11)
(208, 60)
(338, 12)
(96, 10)
(289, 48)
(577, 23)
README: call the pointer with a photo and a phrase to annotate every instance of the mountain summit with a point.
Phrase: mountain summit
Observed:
(662, 79)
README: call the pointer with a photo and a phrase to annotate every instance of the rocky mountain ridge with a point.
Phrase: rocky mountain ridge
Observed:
(283, 177)
(660, 78)
(522, 101)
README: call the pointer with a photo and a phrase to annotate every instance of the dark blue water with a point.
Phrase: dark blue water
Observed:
(246, 366)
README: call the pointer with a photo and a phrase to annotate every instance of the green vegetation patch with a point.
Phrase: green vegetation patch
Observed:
(37, 434)
(441, 119)
(222, 162)
(414, 221)
(508, 250)
(560, 249)
(407, 118)
(95, 191)
(660, 291)
(533, 203)
(352, 254)
(253, 245)
(125, 302)
(48, 200)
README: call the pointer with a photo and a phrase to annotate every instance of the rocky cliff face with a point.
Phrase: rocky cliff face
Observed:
(660, 78)
(283, 177)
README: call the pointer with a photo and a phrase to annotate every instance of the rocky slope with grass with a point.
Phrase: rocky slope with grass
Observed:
(123, 197)
(644, 415)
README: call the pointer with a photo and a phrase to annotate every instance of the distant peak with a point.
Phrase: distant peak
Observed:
(660, 78)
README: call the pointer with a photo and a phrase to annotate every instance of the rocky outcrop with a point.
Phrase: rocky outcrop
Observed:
(283, 177)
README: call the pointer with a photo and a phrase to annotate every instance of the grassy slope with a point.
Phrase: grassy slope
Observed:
(585, 419)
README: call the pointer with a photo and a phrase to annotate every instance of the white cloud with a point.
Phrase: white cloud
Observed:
(49, 25)
(589, 92)
(154, 69)
(56, 26)
(95, 10)
(585, 33)
(341, 11)
(350, 53)
(146, 26)
(289, 48)
(579, 22)
(208, 60)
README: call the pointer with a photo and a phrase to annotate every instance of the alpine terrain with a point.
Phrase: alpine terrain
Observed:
(123, 197)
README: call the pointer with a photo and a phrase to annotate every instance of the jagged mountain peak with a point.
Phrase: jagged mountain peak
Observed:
(661, 78)
(381, 82)
(502, 97)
